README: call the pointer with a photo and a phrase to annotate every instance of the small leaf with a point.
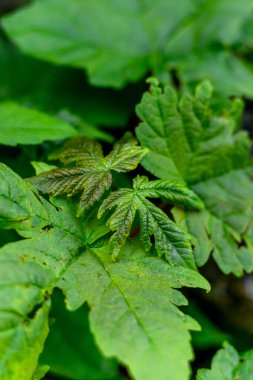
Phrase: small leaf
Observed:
(170, 240)
(174, 192)
(79, 150)
(92, 175)
(42, 167)
(227, 365)
(125, 155)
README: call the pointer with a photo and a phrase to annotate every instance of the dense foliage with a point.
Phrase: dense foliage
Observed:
(126, 197)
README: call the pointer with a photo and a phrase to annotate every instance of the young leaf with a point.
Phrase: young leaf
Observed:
(59, 256)
(21, 125)
(189, 142)
(92, 175)
(227, 365)
(170, 240)
(80, 151)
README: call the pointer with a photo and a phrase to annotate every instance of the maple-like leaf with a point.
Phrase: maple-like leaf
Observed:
(170, 240)
(187, 36)
(190, 142)
(228, 365)
(92, 173)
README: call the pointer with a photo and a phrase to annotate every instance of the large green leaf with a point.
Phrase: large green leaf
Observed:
(228, 365)
(140, 37)
(21, 125)
(19, 207)
(60, 89)
(29, 271)
(200, 65)
(195, 145)
(133, 304)
(124, 310)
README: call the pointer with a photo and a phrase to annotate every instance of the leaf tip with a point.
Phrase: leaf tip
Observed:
(153, 81)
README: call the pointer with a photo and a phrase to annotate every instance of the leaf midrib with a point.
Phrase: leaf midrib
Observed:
(128, 303)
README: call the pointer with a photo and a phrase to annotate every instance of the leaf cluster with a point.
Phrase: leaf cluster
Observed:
(92, 175)
(60, 250)
(98, 254)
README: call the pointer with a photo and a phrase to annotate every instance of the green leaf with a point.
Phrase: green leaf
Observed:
(70, 350)
(245, 370)
(20, 125)
(92, 175)
(133, 304)
(19, 206)
(64, 92)
(227, 365)
(29, 271)
(58, 255)
(42, 167)
(22, 336)
(200, 65)
(187, 36)
(40, 372)
(188, 141)
(90, 48)
(80, 151)
(174, 192)
(223, 365)
(170, 240)
(125, 155)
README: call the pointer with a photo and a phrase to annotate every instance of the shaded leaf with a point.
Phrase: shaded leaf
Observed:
(228, 365)
(64, 92)
(70, 349)
(79, 150)
(210, 336)
(29, 271)
(195, 145)
(21, 125)
(187, 36)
